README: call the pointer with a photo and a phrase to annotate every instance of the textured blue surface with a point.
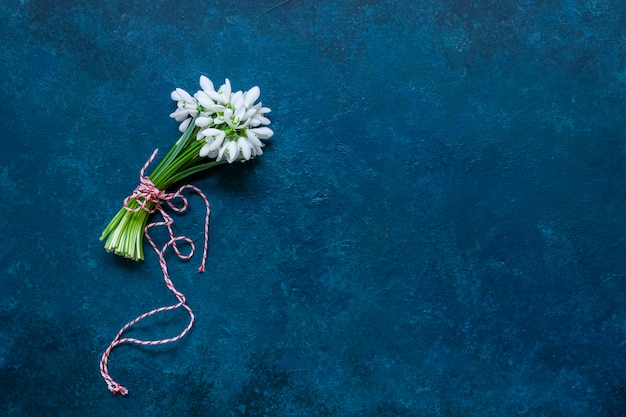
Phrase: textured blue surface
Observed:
(436, 229)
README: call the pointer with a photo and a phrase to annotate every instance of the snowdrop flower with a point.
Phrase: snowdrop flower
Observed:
(214, 139)
(187, 108)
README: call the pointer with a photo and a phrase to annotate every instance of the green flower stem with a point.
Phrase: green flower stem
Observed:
(124, 233)
(181, 143)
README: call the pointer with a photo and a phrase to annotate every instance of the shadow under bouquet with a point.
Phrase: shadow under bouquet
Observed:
(218, 126)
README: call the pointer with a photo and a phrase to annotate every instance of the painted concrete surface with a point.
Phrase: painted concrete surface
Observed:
(435, 229)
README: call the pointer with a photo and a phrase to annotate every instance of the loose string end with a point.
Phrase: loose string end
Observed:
(116, 388)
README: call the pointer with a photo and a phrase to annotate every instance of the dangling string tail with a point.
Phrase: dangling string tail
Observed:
(145, 193)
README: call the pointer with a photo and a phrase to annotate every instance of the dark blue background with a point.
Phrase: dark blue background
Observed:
(436, 228)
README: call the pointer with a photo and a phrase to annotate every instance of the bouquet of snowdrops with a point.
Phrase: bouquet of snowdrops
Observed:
(218, 126)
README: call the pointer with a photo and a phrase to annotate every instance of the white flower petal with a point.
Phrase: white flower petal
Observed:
(211, 131)
(254, 139)
(236, 99)
(214, 137)
(204, 100)
(228, 118)
(250, 113)
(262, 132)
(176, 95)
(262, 119)
(244, 147)
(217, 97)
(221, 152)
(252, 95)
(215, 145)
(206, 84)
(183, 95)
(215, 141)
(212, 153)
(226, 89)
(204, 151)
(233, 151)
(240, 112)
(180, 115)
(183, 126)
(203, 121)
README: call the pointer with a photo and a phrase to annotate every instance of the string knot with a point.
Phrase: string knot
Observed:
(147, 193)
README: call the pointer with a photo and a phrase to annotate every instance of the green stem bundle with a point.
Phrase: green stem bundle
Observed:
(124, 233)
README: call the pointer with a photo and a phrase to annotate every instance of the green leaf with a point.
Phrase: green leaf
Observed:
(197, 168)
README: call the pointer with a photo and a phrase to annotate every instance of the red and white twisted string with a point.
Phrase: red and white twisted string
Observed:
(145, 193)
